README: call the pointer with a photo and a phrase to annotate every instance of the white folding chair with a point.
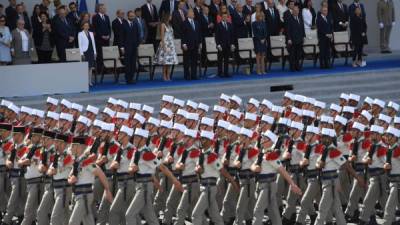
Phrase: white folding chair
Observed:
(278, 49)
(145, 59)
(111, 61)
(341, 44)
(310, 45)
(246, 51)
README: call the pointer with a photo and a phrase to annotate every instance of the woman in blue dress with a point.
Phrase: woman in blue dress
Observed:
(260, 42)
(5, 42)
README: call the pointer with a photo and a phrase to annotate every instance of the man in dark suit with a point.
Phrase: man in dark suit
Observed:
(178, 17)
(198, 4)
(207, 30)
(11, 15)
(131, 41)
(117, 25)
(168, 6)
(150, 16)
(214, 10)
(225, 45)
(44, 6)
(239, 23)
(22, 15)
(248, 10)
(273, 23)
(73, 18)
(325, 37)
(141, 24)
(102, 29)
(64, 33)
(354, 5)
(340, 16)
(190, 45)
(295, 39)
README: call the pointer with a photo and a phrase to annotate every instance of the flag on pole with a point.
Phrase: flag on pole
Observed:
(82, 6)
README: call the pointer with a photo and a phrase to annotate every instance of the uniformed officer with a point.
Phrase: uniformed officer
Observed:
(59, 170)
(330, 161)
(126, 183)
(18, 185)
(47, 201)
(209, 168)
(312, 192)
(374, 160)
(143, 165)
(187, 164)
(267, 166)
(82, 177)
(393, 166)
(6, 144)
(246, 156)
(33, 177)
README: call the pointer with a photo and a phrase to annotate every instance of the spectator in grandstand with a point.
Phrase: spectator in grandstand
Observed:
(43, 38)
(21, 45)
(5, 42)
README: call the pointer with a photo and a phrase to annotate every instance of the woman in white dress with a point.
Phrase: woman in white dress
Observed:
(5, 42)
(166, 54)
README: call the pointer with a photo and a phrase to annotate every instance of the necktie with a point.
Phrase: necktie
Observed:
(65, 21)
(102, 17)
(193, 26)
(151, 10)
(182, 16)
(297, 19)
(172, 6)
(272, 12)
(226, 27)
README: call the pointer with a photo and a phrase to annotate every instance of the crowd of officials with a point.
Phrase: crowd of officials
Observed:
(53, 25)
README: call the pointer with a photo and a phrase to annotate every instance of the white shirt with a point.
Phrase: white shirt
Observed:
(25, 40)
(282, 9)
(83, 42)
(190, 162)
(63, 171)
(211, 166)
(307, 18)
(126, 157)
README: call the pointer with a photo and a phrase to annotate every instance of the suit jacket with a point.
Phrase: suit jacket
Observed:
(296, 31)
(324, 27)
(191, 37)
(213, 12)
(148, 18)
(62, 31)
(25, 17)
(353, 7)
(224, 37)
(11, 17)
(339, 15)
(247, 11)
(358, 26)
(117, 31)
(177, 22)
(143, 27)
(197, 13)
(16, 43)
(273, 22)
(83, 42)
(166, 7)
(385, 12)
(130, 35)
(74, 19)
(101, 27)
(37, 35)
(204, 21)
(239, 25)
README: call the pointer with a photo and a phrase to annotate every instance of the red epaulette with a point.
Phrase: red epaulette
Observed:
(51, 158)
(7, 147)
(347, 137)
(367, 134)
(169, 143)
(252, 152)
(301, 146)
(90, 160)
(180, 150)
(149, 156)
(381, 151)
(67, 160)
(22, 151)
(37, 153)
(237, 149)
(255, 136)
(130, 152)
(155, 141)
(89, 141)
(271, 156)
(194, 153)
(366, 145)
(113, 149)
(334, 153)
(396, 152)
(211, 158)
(319, 149)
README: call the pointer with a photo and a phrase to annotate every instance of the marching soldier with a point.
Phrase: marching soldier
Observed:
(6, 144)
(82, 177)
(33, 177)
(18, 185)
(209, 168)
(312, 192)
(266, 167)
(59, 170)
(47, 201)
(126, 183)
(143, 165)
(330, 162)
(393, 166)
(187, 164)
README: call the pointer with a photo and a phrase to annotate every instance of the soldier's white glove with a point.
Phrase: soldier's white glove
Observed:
(232, 48)
(219, 47)
(381, 25)
(393, 23)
